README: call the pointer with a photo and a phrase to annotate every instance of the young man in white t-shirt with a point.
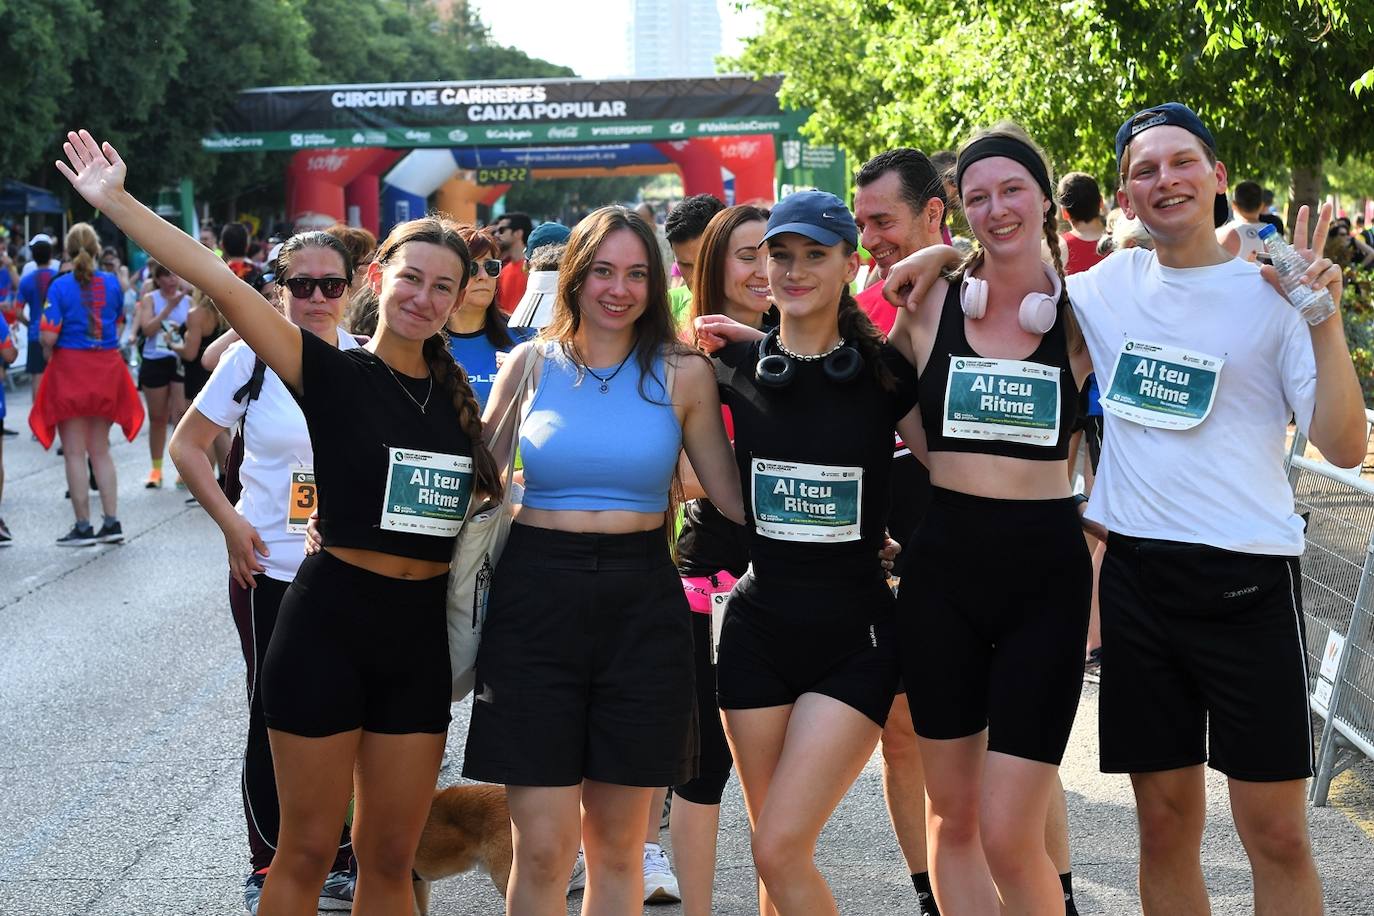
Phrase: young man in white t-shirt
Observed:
(1203, 364)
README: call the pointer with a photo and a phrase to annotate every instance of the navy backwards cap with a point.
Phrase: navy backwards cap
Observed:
(551, 233)
(1172, 114)
(818, 215)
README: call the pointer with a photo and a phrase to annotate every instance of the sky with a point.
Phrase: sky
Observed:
(593, 45)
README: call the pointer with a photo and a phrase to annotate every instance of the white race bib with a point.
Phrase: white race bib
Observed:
(806, 502)
(426, 492)
(1008, 400)
(719, 600)
(1161, 386)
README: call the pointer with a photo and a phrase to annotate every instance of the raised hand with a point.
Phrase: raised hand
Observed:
(1321, 272)
(96, 171)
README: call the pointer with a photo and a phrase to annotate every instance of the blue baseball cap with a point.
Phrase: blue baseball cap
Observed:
(818, 215)
(1172, 114)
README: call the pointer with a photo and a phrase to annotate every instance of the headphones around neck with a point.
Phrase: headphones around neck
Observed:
(1038, 310)
(777, 369)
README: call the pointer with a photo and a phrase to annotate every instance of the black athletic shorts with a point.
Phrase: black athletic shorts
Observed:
(1203, 661)
(159, 373)
(585, 670)
(1092, 434)
(783, 638)
(713, 760)
(34, 363)
(993, 627)
(910, 495)
(353, 649)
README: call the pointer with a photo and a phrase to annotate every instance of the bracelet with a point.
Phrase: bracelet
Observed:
(1080, 499)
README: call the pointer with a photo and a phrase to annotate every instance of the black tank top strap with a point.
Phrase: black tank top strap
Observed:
(951, 343)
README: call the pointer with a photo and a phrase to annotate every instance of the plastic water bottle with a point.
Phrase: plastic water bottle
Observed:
(1314, 305)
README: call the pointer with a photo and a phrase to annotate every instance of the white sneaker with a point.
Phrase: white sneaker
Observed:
(579, 874)
(660, 884)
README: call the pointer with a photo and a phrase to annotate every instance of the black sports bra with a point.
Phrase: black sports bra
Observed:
(997, 407)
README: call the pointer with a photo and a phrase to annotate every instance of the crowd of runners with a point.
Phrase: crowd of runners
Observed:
(782, 504)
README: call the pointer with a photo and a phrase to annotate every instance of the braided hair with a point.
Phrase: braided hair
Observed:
(860, 332)
(448, 375)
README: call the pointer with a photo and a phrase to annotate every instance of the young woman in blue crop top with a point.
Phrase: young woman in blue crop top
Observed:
(585, 696)
(357, 677)
(993, 612)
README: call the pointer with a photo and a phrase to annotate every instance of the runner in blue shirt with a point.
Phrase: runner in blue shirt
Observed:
(478, 336)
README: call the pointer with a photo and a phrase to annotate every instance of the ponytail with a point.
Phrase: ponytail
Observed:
(1073, 334)
(453, 380)
(859, 332)
(83, 249)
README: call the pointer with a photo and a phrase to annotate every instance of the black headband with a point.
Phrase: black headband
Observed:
(1009, 148)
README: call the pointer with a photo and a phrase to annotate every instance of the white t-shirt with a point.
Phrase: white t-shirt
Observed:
(275, 441)
(1220, 482)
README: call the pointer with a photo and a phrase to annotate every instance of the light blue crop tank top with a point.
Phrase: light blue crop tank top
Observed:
(588, 450)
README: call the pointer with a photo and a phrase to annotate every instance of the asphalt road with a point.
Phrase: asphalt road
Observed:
(122, 714)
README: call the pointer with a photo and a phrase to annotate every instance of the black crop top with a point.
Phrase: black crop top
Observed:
(815, 463)
(378, 459)
(1014, 408)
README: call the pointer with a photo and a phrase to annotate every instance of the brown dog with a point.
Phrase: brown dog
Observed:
(468, 826)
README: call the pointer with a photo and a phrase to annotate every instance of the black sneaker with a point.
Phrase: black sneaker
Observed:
(110, 533)
(6, 539)
(6, 431)
(79, 536)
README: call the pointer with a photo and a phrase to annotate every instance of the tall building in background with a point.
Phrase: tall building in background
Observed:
(674, 38)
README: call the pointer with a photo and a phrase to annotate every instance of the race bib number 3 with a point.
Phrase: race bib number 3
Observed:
(301, 499)
(1163, 387)
(426, 492)
(807, 502)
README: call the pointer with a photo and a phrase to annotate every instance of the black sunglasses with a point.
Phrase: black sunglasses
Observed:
(304, 287)
(491, 265)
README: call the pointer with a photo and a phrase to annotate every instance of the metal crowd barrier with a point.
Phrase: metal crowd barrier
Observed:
(1338, 609)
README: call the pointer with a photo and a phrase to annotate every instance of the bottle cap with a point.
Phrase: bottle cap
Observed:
(1268, 230)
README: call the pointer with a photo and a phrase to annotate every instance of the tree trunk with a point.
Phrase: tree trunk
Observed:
(1306, 189)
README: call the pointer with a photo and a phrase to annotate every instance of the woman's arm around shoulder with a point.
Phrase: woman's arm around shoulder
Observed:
(703, 434)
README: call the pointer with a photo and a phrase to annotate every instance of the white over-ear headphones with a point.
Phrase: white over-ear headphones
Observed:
(1038, 310)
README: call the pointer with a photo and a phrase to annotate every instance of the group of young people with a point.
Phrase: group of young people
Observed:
(601, 667)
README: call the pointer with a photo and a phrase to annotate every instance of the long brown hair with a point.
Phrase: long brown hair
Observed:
(482, 244)
(655, 333)
(83, 250)
(708, 279)
(1013, 131)
(439, 230)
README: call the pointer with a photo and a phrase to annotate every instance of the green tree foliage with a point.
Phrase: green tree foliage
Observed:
(1271, 77)
(154, 76)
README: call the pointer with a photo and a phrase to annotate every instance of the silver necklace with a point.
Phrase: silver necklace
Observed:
(406, 390)
(806, 357)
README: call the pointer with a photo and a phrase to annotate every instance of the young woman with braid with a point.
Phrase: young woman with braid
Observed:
(992, 630)
(356, 682)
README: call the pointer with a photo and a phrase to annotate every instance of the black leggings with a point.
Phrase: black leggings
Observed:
(993, 617)
(255, 616)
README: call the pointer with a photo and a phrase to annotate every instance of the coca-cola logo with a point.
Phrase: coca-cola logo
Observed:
(741, 149)
(329, 162)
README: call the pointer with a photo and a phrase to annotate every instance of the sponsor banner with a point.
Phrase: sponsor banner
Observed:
(500, 134)
(720, 105)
